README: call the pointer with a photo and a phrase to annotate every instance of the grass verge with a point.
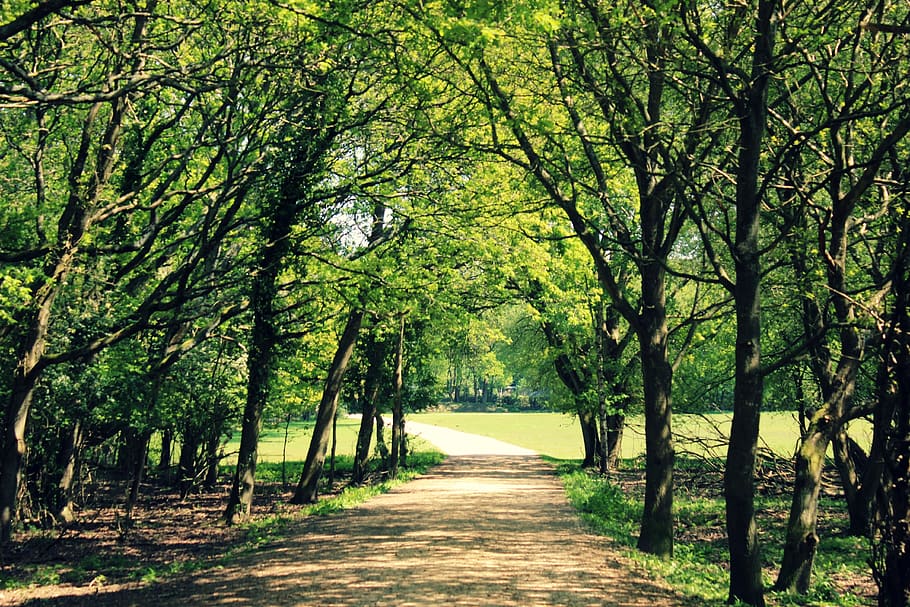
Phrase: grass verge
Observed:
(698, 567)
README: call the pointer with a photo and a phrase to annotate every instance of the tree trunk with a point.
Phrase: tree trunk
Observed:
(891, 442)
(656, 535)
(186, 468)
(167, 442)
(212, 458)
(259, 363)
(852, 466)
(402, 443)
(801, 540)
(381, 447)
(307, 488)
(739, 490)
(375, 350)
(67, 464)
(137, 473)
(397, 409)
(334, 449)
(589, 436)
(615, 426)
(14, 449)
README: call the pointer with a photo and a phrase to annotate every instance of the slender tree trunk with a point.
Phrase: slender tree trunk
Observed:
(186, 468)
(402, 443)
(284, 450)
(364, 440)
(381, 447)
(615, 426)
(137, 473)
(334, 449)
(397, 409)
(739, 474)
(212, 458)
(308, 486)
(375, 350)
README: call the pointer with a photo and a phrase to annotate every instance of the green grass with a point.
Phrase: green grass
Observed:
(271, 440)
(697, 569)
(558, 435)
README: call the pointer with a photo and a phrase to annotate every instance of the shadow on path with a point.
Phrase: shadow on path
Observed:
(476, 531)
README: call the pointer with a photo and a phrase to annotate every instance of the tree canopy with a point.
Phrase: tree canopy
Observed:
(211, 214)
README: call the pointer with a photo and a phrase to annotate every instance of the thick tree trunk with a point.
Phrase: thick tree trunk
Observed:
(615, 426)
(739, 491)
(801, 540)
(14, 449)
(259, 363)
(67, 464)
(891, 443)
(852, 466)
(307, 488)
(589, 435)
(656, 535)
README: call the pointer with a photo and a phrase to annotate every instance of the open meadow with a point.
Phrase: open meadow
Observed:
(555, 435)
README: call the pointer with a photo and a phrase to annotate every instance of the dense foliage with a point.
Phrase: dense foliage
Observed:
(210, 214)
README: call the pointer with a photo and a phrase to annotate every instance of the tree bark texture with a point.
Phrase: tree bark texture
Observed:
(859, 488)
(739, 490)
(307, 488)
(375, 355)
(801, 541)
(67, 464)
(891, 443)
(656, 536)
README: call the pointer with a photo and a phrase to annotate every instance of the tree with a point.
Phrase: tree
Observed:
(135, 172)
(843, 177)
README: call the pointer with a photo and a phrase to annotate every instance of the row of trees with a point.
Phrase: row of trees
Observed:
(204, 207)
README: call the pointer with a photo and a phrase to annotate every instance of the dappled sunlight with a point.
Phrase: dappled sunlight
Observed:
(478, 530)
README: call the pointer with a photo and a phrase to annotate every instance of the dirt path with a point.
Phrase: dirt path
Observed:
(482, 529)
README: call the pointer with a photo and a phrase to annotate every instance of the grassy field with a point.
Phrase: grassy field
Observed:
(271, 441)
(558, 435)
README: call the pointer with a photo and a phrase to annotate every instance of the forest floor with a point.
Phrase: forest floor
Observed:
(490, 526)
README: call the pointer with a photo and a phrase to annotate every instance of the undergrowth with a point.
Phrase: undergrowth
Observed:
(100, 568)
(698, 569)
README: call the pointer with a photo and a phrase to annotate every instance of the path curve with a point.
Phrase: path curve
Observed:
(481, 529)
(455, 442)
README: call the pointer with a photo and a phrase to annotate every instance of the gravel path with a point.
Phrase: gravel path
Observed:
(489, 527)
